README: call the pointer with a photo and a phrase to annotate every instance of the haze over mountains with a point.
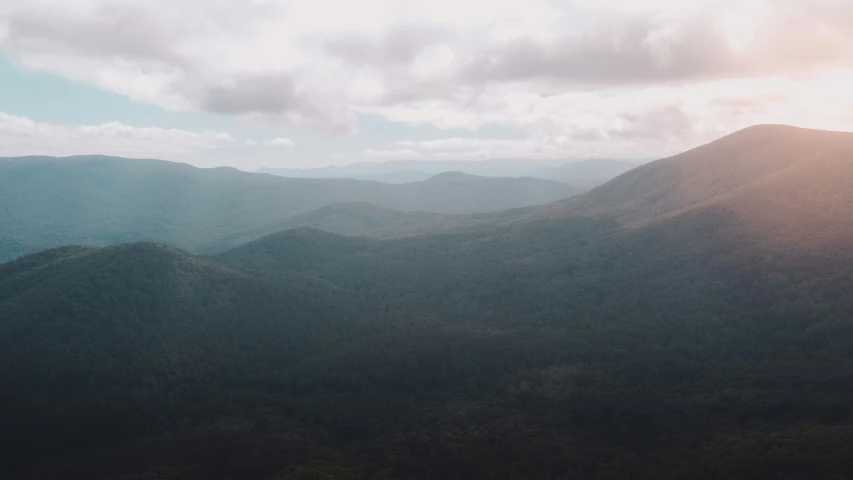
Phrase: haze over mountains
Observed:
(95, 200)
(688, 319)
(583, 174)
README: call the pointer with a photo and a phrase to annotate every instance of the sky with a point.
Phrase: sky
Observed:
(307, 83)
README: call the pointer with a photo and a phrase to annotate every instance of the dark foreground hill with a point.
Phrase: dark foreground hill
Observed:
(49, 202)
(608, 341)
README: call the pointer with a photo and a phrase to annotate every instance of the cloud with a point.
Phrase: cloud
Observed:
(23, 136)
(275, 142)
(477, 148)
(392, 154)
(280, 142)
(189, 55)
(401, 45)
(818, 95)
(707, 45)
(586, 72)
(648, 122)
(278, 98)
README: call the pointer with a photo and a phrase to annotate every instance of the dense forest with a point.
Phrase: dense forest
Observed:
(673, 336)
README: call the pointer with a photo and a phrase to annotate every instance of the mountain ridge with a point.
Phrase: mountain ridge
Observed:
(581, 173)
(107, 200)
(713, 174)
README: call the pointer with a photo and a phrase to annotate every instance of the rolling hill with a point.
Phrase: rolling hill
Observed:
(50, 202)
(368, 220)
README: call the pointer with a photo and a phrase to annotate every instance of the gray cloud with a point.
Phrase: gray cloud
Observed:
(169, 49)
(131, 30)
(619, 55)
(275, 96)
(623, 51)
(271, 94)
(642, 50)
(154, 39)
(112, 31)
(24, 136)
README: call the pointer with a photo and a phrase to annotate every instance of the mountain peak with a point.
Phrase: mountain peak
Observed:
(785, 133)
(769, 173)
(452, 176)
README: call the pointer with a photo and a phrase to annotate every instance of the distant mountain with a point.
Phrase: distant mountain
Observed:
(390, 176)
(373, 170)
(457, 192)
(96, 200)
(585, 174)
(399, 176)
(787, 183)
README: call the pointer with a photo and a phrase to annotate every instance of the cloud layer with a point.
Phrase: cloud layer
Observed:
(569, 76)
(22, 136)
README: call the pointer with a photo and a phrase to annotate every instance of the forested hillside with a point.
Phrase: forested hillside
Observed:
(368, 220)
(679, 335)
(49, 202)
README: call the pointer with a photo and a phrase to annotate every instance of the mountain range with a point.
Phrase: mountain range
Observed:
(689, 319)
(49, 202)
(582, 173)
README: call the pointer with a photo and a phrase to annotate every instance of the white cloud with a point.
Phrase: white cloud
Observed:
(23, 136)
(646, 6)
(392, 154)
(643, 122)
(480, 148)
(279, 142)
(275, 142)
(310, 62)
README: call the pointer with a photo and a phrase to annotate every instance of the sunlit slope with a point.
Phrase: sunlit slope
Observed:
(746, 170)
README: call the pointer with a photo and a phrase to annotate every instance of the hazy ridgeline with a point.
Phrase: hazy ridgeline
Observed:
(692, 318)
(582, 174)
(49, 202)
